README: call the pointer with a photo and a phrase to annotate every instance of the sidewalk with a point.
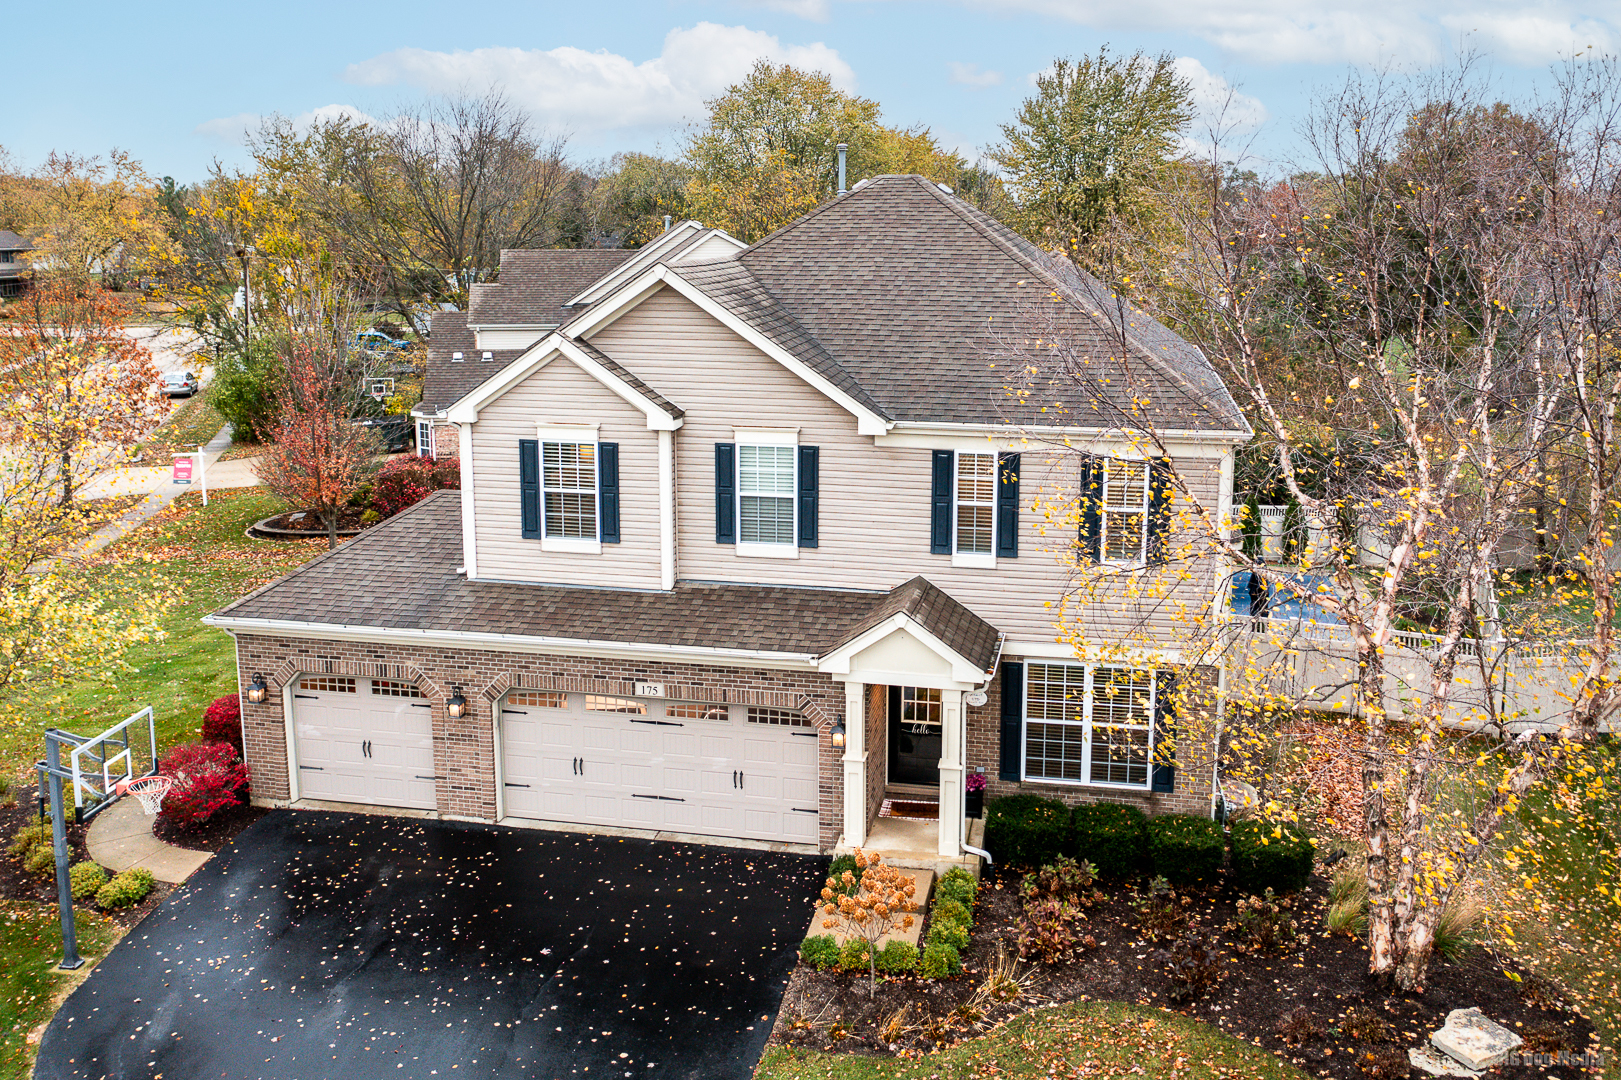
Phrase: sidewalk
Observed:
(120, 839)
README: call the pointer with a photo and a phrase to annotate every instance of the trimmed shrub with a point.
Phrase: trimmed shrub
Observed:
(208, 778)
(1186, 849)
(820, 951)
(222, 721)
(405, 481)
(941, 961)
(1270, 855)
(1113, 838)
(126, 889)
(853, 956)
(87, 879)
(1027, 830)
(948, 932)
(953, 911)
(29, 837)
(898, 958)
(959, 885)
(1049, 930)
(1063, 879)
(41, 861)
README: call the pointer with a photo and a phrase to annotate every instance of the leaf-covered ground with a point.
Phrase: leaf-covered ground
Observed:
(30, 984)
(1095, 1040)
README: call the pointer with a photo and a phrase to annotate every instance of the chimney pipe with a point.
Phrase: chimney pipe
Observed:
(842, 148)
(666, 222)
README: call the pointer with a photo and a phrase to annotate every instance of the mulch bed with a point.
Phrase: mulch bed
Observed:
(213, 834)
(307, 521)
(1328, 975)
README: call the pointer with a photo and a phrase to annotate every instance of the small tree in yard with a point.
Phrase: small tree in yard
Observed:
(318, 458)
(884, 900)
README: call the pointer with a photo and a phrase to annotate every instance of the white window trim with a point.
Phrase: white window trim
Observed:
(749, 549)
(583, 435)
(1086, 729)
(1147, 511)
(974, 560)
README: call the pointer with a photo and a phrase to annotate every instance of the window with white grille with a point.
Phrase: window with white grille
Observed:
(765, 494)
(539, 699)
(777, 717)
(1088, 724)
(976, 504)
(696, 710)
(328, 684)
(604, 703)
(568, 474)
(389, 688)
(1124, 510)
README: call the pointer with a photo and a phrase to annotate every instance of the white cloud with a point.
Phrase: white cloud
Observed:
(1348, 31)
(1216, 101)
(236, 129)
(971, 76)
(814, 10)
(577, 90)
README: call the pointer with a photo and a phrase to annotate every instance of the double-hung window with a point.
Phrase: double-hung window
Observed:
(568, 478)
(976, 508)
(767, 479)
(1123, 506)
(1088, 724)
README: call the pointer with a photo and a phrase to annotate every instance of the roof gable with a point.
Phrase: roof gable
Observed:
(661, 414)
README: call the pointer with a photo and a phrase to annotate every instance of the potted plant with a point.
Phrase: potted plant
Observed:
(974, 799)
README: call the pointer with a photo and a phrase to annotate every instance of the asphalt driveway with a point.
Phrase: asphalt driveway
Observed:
(357, 946)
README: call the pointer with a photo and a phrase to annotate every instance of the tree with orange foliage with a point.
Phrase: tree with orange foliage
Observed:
(318, 458)
(80, 393)
(882, 900)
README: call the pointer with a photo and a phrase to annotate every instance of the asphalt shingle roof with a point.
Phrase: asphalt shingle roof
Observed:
(898, 282)
(401, 575)
(446, 381)
(535, 285)
(10, 241)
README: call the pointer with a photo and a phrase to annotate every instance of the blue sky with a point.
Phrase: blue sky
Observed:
(176, 85)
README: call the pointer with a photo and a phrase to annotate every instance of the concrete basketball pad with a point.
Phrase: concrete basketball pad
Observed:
(343, 945)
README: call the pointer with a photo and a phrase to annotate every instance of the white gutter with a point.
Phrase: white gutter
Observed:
(511, 642)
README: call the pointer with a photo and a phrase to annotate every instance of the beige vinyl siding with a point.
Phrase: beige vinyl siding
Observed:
(560, 393)
(874, 519)
(710, 249)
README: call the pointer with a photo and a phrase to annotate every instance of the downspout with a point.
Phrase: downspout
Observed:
(990, 673)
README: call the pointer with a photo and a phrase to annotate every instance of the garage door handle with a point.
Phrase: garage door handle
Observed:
(421, 705)
(513, 712)
(307, 697)
(802, 810)
(430, 778)
(659, 723)
(804, 734)
(660, 798)
(313, 768)
(509, 784)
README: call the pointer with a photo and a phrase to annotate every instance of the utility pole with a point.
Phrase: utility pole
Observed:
(247, 296)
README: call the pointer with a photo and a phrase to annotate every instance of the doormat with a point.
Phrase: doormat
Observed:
(918, 811)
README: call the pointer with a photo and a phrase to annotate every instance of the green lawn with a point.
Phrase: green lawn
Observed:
(1093, 1039)
(208, 561)
(30, 984)
(192, 423)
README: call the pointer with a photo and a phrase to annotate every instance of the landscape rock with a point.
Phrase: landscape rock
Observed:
(1426, 1060)
(1473, 1040)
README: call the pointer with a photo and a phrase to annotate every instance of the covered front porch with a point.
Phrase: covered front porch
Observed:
(908, 676)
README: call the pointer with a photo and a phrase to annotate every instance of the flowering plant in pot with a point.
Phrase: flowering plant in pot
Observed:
(974, 800)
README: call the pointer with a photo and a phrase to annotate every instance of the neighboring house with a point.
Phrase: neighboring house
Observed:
(719, 515)
(14, 266)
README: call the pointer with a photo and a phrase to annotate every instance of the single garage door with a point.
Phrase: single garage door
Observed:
(363, 741)
(676, 766)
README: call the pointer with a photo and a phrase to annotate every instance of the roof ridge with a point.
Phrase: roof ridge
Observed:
(366, 535)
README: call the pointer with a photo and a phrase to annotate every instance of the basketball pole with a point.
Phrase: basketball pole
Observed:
(51, 771)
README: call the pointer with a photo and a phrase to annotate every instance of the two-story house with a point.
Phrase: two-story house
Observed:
(746, 537)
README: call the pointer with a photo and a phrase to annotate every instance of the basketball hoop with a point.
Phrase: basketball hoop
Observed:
(148, 790)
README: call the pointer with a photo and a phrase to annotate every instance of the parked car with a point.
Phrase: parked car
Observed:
(394, 431)
(180, 384)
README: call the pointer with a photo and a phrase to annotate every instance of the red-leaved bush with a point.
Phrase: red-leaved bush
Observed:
(406, 481)
(222, 721)
(208, 778)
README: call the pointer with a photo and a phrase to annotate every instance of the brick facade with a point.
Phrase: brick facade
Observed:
(464, 750)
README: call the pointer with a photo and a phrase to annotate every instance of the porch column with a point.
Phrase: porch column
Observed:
(953, 736)
(855, 764)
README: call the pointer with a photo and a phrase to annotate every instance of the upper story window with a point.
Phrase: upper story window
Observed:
(1124, 510)
(569, 486)
(976, 504)
(974, 514)
(765, 494)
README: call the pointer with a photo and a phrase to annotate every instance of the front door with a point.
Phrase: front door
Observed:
(914, 735)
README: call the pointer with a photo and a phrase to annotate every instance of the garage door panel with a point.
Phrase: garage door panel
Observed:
(362, 746)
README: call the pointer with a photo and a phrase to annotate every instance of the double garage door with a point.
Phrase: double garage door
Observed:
(647, 763)
(640, 763)
(363, 741)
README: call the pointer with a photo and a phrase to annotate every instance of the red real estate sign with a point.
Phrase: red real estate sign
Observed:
(182, 468)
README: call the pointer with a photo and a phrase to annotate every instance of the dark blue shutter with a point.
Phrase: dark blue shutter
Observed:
(1162, 769)
(529, 486)
(1007, 507)
(1159, 509)
(1091, 510)
(608, 490)
(725, 493)
(945, 467)
(808, 494)
(1012, 764)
